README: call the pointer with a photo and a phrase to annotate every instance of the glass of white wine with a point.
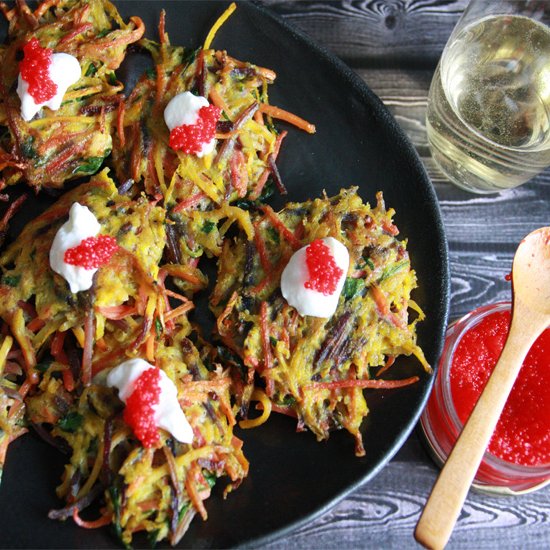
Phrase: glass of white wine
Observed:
(488, 116)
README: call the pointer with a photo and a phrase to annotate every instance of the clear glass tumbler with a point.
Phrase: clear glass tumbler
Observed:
(488, 116)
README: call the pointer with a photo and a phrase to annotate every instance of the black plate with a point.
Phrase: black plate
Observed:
(292, 477)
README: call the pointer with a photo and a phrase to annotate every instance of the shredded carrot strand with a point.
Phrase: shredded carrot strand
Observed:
(175, 295)
(57, 343)
(180, 310)
(100, 522)
(87, 352)
(264, 327)
(150, 348)
(191, 488)
(68, 380)
(281, 227)
(120, 122)
(116, 313)
(217, 100)
(291, 118)
(390, 361)
(75, 32)
(36, 324)
(262, 252)
(193, 200)
(13, 208)
(373, 384)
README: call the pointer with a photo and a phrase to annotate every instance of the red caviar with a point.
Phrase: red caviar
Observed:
(324, 274)
(139, 413)
(92, 252)
(190, 138)
(34, 69)
(522, 435)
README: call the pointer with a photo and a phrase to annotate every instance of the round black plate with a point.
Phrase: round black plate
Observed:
(292, 477)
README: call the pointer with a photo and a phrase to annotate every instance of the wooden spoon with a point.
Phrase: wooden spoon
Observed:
(530, 317)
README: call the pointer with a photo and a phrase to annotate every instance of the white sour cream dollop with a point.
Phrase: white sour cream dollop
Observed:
(81, 224)
(168, 413)
(64, 71)
(296, 274)
(184, 109)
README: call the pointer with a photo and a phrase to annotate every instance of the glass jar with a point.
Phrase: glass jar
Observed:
(441, 424)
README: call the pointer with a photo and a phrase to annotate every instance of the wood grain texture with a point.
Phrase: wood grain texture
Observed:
(383, 514)
(394, 46)
(379, 32)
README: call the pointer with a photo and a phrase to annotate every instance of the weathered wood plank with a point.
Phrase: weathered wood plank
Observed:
(383, 514)
(378, 32)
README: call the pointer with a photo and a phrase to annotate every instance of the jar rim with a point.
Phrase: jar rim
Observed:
(455, 332)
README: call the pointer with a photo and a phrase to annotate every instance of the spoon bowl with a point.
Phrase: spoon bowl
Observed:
(530, 316)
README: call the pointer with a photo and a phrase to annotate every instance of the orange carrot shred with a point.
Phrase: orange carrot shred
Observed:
(266, 344)
(291, 118)
(281, 227)
(373, 384)
(100, 522)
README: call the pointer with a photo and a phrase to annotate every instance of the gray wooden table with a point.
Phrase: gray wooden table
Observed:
(394, 45)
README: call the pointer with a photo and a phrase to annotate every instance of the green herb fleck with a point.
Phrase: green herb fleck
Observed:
(268, 190)
(352, 287)
(208, 226)
(27, 148)
(210, 478)
(152, 537)
(391, 270)
(43, 366)
(11, 280)
(274, 235)
(91, 166)
(114, 493)
(288, 401)
(183, 510)
(71, 422)
(370, 263)
(91, 70)
(158, 328)
(93, 446)
(273, 341)
(189, 57)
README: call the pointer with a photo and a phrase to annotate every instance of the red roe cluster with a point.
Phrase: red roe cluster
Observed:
(324, 274)
(522, 435)
(139, 413)
(190, 138)
(92, 252)
(34, 69)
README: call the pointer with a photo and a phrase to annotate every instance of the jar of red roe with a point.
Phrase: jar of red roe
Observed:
(518, 457)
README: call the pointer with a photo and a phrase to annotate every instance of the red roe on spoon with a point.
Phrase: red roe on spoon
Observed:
(190, 138)
(324, 274)
(92, 252)
(139, 413)
(34, 69)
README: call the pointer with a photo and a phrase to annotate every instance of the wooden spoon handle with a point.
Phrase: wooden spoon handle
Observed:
(449, 492)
